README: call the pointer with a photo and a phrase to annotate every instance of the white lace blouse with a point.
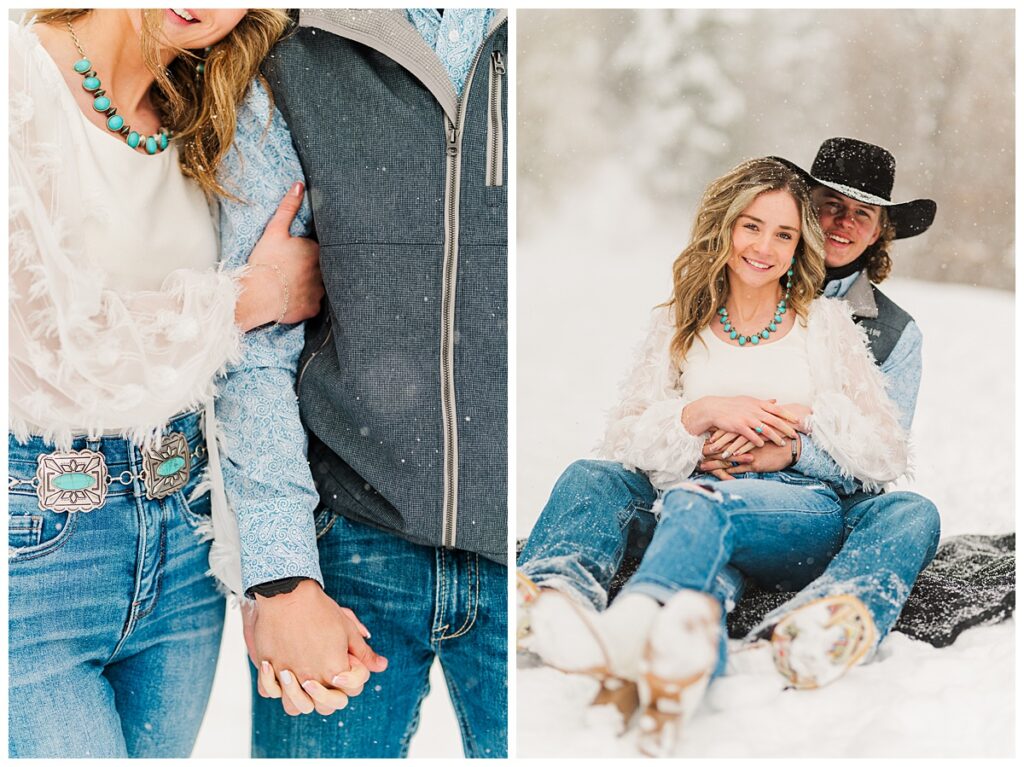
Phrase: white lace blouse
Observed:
(853, 420)
(118, 317)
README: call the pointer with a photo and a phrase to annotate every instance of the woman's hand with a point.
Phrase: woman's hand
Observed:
(310, 652)
(283, 282)
(747, 417)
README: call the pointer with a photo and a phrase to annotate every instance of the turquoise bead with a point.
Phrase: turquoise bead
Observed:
(91, 83)
(790, 273)
(764, 334)
(773, 327)
(743, 340)
(727, 327)
(101, 104)
(74, 480)
(755, 340)
(722, 311)
(82, 66)
(151, 145)
(134, 139)
(115, 122)
(171, 466)
(782, 311)
(733, 335)
(163, 140)
(778, 318)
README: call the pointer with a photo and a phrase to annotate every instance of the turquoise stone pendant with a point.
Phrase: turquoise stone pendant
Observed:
(102, 103)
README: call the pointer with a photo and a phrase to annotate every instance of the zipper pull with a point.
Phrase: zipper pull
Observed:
(499, 63)
(453, 145)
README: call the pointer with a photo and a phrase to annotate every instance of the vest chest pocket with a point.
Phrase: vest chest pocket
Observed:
(495, 158)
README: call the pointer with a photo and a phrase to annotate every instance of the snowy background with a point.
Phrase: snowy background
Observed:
(679, 96)
(595, 244)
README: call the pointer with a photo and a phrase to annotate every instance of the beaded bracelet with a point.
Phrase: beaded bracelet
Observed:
(284, 288)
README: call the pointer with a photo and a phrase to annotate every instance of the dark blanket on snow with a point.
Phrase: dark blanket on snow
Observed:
(970, 582)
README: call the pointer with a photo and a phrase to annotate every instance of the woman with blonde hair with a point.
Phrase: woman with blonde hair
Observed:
(743, 353)
(119, 322)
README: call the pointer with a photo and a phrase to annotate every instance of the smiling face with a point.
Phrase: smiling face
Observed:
(850, 227)
(764, 240)
(193, 28)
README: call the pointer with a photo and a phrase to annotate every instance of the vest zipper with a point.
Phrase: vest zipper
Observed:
(453, 165)
(495, 137)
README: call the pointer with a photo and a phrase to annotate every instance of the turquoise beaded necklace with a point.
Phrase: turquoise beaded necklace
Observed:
(771, 327)
(158, 142)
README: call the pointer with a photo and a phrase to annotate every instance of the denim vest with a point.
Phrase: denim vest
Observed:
(403, 380)
(883, 320)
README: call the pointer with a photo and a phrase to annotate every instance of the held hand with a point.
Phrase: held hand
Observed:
(761, 459)
(283, 282)
(740, 416)
(315, 651)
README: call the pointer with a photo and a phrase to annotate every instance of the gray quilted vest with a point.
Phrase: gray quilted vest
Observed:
(882, 320)
(403, 380)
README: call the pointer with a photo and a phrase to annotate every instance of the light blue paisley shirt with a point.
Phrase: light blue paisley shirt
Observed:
(266, 474)
(454, 36)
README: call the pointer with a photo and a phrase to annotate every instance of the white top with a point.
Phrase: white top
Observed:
(853, 418)
(118, 316)
(779, 370)
(145, 218)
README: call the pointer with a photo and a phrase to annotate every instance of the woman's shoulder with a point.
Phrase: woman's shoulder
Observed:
(830, 312)
(33, 78)
(830, 325)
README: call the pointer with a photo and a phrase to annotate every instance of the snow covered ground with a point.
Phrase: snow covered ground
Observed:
(584, 290)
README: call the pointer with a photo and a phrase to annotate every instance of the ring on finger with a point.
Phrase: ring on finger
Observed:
(760, 429)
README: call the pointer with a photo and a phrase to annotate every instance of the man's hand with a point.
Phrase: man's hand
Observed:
(309, 651)
(769, 458)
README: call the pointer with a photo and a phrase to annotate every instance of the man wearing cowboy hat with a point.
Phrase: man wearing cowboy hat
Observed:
(851, 184)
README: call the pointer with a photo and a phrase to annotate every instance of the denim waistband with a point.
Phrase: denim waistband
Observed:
(118, 452)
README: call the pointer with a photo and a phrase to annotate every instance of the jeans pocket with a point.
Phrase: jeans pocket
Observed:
(323, 521)
(195, 511)
(33, 532)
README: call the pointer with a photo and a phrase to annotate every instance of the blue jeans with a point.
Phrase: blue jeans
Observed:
(114, 625)
(418, 602)
(783, 530)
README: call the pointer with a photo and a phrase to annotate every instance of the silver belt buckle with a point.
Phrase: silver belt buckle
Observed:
(166, 469)
(71, 481)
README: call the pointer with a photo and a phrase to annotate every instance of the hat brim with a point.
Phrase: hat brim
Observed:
(908, 219)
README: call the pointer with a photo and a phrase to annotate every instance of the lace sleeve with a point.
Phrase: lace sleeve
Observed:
(644, 430)
(853, 419)
(81, 354)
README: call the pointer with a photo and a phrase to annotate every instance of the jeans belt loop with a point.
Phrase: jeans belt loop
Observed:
(78, 480)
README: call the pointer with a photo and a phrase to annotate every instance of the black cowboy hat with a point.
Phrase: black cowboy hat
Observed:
(865, 172)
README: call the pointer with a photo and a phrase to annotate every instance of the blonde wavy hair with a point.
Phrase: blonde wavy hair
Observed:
(700, 280)
(201, 111)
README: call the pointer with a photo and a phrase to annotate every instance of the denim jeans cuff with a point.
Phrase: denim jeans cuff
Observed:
(660, 592)
(594, 598)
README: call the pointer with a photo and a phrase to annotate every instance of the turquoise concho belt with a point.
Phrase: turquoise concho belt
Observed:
(78, 480)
